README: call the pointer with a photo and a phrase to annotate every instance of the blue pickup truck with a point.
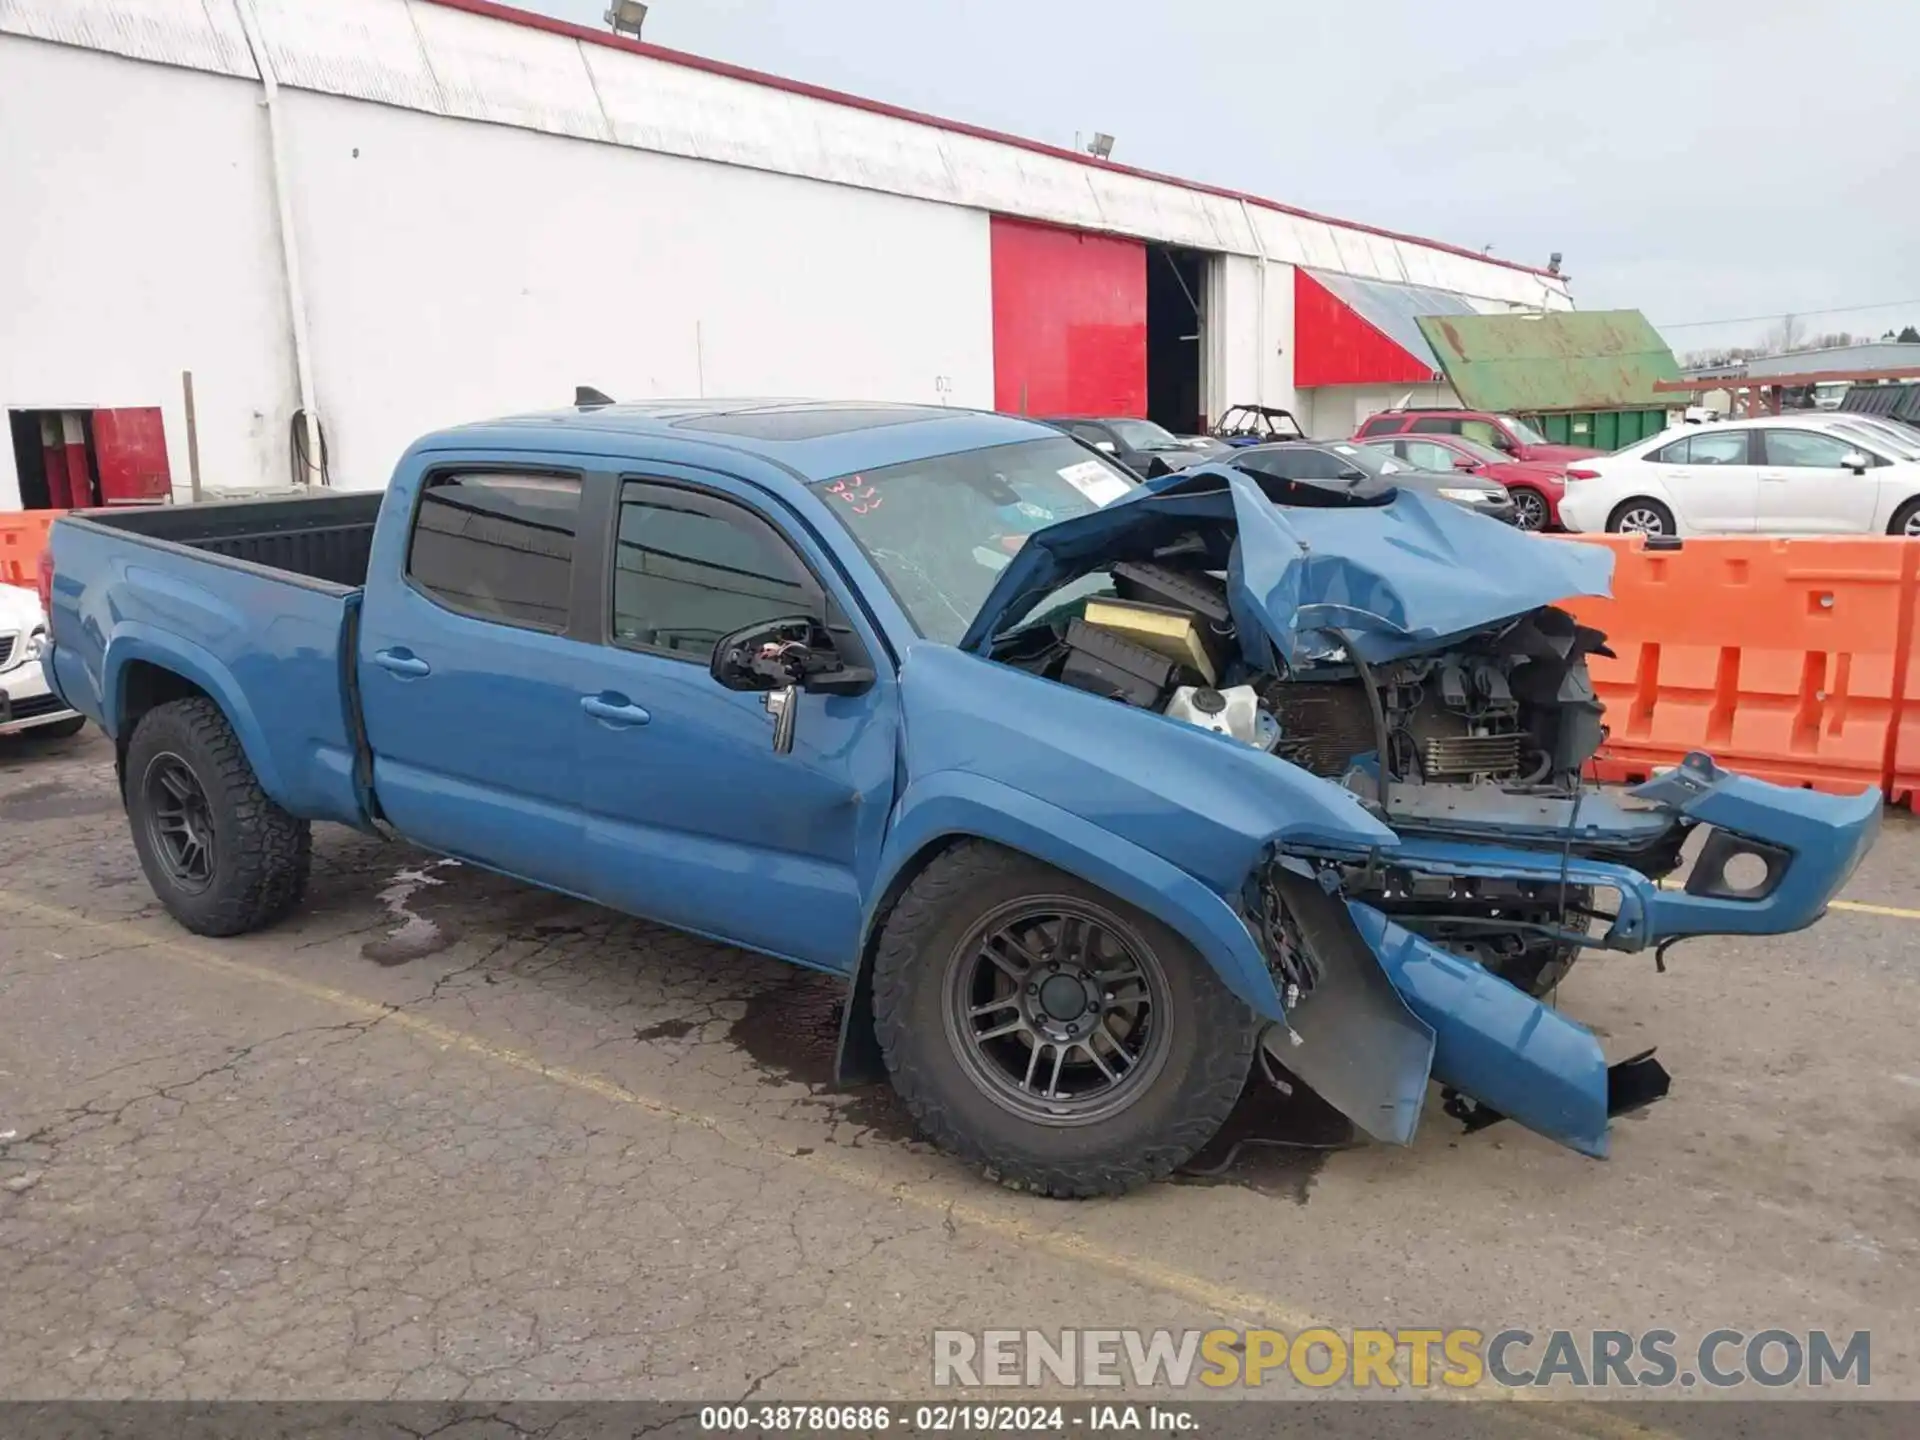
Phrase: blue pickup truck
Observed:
(1104, 801)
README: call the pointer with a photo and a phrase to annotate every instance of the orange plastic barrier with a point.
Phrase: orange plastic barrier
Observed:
(1903, 777)
(1787, 659)
(23, 535)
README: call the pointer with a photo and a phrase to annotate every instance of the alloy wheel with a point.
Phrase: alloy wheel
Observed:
(1057, 1010)
(179, 822)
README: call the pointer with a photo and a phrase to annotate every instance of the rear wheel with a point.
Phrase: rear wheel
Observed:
(1906, 520)
(1529, 508)
(1642, 517)
(219, 853)
(1042, 1030)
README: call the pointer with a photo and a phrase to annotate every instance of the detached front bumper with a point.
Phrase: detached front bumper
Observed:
(1388, 1010)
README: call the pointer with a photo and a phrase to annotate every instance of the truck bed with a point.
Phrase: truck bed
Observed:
(253, 602)
(323, 537)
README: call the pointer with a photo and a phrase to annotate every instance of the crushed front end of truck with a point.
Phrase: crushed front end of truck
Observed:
(1413, 656)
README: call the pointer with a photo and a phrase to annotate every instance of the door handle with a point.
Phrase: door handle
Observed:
(402, 662)
(615, 709)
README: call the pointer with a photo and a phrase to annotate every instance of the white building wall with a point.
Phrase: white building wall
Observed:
(138, 241)
(490, 213)
(456, 271)
(1332, 411)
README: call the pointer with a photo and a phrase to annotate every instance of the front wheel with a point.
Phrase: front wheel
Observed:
(219, 853)
(1642, 517)
(1044, 1031)
(1906, 520)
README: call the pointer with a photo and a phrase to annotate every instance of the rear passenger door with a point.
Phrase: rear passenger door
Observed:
(692, 817)
(470, 670)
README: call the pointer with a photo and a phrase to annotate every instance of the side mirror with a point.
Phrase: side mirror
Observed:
(1855, 461)
(780, 659)
(1465, 462)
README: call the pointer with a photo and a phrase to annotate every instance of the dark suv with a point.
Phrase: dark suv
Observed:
(1508, 434)
(1147, 449)
(1343, 462)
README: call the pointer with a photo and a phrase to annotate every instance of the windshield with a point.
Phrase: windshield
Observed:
(1485, 454)
(1365, 457)
(941, 530)
(1522, 431)
(1144, 435)
(1907, 448)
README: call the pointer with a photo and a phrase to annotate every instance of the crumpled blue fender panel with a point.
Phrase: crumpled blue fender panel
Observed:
(1494, 1042)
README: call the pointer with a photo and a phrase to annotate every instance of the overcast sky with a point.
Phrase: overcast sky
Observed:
(1696, 161)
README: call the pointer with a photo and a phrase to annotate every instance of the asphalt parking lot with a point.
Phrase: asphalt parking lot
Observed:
(445, 1136)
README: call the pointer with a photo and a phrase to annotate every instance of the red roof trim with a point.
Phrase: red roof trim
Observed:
(511, 16)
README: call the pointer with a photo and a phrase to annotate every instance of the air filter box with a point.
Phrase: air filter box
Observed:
(1105, 664)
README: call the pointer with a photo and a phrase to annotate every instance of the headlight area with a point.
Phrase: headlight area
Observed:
(27, 650)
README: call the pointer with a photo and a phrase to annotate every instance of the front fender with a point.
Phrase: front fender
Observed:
(133, 641)
(953, 803)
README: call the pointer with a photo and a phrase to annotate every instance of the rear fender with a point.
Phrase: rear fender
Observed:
(949, 805)
(133, 641)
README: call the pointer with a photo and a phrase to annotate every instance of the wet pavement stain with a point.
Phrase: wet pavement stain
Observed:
(791, 1031)
(51, 800)
(414, 935)
(665, 1030)
(1273, 1142)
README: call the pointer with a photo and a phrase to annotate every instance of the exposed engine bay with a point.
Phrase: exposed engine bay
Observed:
(1499, 719)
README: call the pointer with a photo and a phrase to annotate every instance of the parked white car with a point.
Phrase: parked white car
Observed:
(25, 701)
(1805, 474)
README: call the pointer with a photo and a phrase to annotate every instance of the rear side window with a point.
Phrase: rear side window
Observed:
(691, 568)
(1725, 447)
(1436, 425)
(498, 546)
(1382, 425)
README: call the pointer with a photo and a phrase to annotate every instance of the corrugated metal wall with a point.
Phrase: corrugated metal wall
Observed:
(426, 56)
(1069, 321)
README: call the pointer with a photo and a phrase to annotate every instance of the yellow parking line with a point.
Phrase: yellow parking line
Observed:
(1571, 1418)
(1861, 907)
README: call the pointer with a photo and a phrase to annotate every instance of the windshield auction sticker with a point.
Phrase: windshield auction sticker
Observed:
(1095, 481)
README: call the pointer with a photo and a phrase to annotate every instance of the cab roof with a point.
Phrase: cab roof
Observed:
(816, 439)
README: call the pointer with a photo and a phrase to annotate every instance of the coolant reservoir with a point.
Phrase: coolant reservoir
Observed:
(1235, 712)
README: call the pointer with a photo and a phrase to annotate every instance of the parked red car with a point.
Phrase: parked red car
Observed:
(1510, 435)
(1536, 487)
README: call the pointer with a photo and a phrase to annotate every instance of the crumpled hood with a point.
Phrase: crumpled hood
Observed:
(1399, 577)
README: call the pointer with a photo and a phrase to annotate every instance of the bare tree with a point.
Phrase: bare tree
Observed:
(1785, 337)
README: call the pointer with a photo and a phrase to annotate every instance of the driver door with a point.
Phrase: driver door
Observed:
(1805, 490)
(692, 818)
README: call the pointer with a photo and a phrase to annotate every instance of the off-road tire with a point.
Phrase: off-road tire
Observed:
(262, 855)
(1208, 1054)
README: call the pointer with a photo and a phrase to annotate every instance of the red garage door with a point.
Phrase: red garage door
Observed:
(1069, 322)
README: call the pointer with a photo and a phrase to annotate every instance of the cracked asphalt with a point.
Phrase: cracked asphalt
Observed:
(445, 1137)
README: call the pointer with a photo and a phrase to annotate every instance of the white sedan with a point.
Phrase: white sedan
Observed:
(25, 701)
(1812, 474)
